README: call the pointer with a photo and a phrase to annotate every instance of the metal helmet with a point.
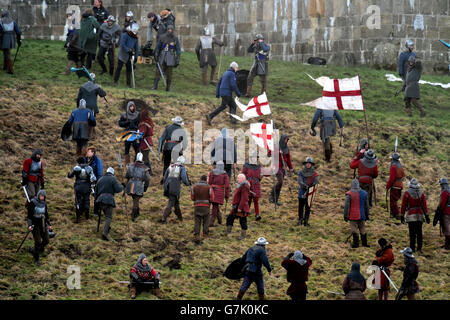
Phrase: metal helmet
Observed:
(181, 160)
(139, 157)
(82, 103)
(206, 31)
(443, 181)
(111, 18)
(129, 14)
(409, 43)
(259, 36)
(134, 28)
(261, 241)
(92, 75)
(110, 170)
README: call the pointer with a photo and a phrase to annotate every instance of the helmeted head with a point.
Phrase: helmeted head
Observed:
(370, 155)
(111, 20)
(409, 44)
(170, 28)
(395, 156)
(411, 60)
(364, 144)
(181, 160)
(241, 178)
(82, 104)
(139, 157)
(443, 181)
(36, 155)
(298, 256)
(110, 170)
(203, 178)
(178, 120)
(355, 187)
(206, 31)
(259, 37)
(134, 28)
(407, 252)
(414, 184)
(261, 241)
(234, 66)
(92, 75)
(41, 195)
(129, 15)
(308, 162)
(142, 259)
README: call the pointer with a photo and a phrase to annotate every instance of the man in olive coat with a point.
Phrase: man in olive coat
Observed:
(412, 90)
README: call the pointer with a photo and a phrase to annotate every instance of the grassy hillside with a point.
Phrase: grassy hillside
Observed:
(37, 100)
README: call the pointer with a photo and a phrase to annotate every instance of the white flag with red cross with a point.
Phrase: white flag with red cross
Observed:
(263, 134)
(257, 106)
(339, 94)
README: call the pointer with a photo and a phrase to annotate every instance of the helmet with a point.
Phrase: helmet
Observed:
(261, 241)
(207, 32)
(139, 157)
(181, 160)
(92, 75)
(259, 36)
(129, 14)
(409, 43)
(134, 28)
(111, 18)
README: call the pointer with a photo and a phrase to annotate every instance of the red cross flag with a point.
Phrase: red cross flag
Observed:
(262, 133)
(258, 106)
(339, 94)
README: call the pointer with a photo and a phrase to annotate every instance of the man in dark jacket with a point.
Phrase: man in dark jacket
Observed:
(206, 56)
(128, 53)
(356, 209)
(202, 194)
(255, 258)
(72, 44)
(154, 21)
(100, 13)
(39, 223)
(130, 122)
(307, 179)
(88, 38)
(94, 161)
(395, 184)
(260, 66)
(138, 180)
(84, 181)
(172, 142)
(81, 118)
(414, 204)
(89, 91)
(412, 90)
(224, 149)
(225, 87)
(109, 36)
(409, 286)
(367, 171)
(9, 32)
(403, 59)
(33, 173)
(174, 175)
(297, 274)
(167, 54)
(327, 129)
(105, 189)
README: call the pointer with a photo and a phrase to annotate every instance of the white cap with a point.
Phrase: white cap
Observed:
(139, 157)
(234, 65)
(261, 241)
(110, 170)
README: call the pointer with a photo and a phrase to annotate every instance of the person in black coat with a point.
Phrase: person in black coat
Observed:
(100, 13)
(105, 189)
(130, 121)
(39, 223)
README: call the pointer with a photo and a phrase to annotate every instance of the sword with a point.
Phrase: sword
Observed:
(151, 149)
(23, 240)
(389, 279)
(162, 74)
(147, 282)
(26, 193)
(387, 205)
(14, 62)
(374, 191)
(337, 293)
(132, 70)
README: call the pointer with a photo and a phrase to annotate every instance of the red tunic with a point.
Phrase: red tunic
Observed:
(147, 128)
(26, 168)
(297, 275)
(396, 175)
(385, 258)
(365, 175)
(413, 206)
(253, 175)
(220, 185)
(444, 205)
(240, 198)
(146, 276)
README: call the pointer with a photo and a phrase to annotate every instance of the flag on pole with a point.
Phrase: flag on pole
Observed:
(339, 94)
(258, 106)
(262, 134)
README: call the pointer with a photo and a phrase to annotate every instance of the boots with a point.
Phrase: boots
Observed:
(447, 243)
(157, 293)
(107, 237)
(134, 214)
(128, 75)
(9, 66)
(211, 78)
(208, 119)
(277, 197)
(166, 213)
(229, 228)
(111, 70)
(86, 213)
(127, 160)
(219, 217)
(133, 292)
(69, 66)
(78, 214)
(168, 85)
(155, 84)
(102, 64)
(364, 240)
(204, 78)
(240, 295)
(249, 91)
(355, 243)
(257, 217)
(305, 221)
(211, 221)
(197, 238)
(261, 296)
(243, 234)
(408, 111)
(36, 258)
(271, 196)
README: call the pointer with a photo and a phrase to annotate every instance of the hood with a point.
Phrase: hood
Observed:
(6, 17)
(224, 132)
(139, 265)
(298, 256)
(355, 186)
(132, 115)
(308, 172)
(36, 152)
(283, 144)
(355, 274)
(364, 141)
(219, 169)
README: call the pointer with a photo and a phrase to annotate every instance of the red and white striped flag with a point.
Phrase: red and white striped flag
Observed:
(262, 134)
(258, 106)
(339, 94)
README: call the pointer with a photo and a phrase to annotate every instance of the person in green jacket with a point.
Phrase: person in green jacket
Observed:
(88, 37)
(412, 91)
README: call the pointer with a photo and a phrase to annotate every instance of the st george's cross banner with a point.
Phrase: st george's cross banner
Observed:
(257, 106)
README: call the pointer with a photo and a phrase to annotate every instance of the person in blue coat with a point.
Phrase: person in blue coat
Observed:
(81, 119)
(129, 47)
(94, 161)
(254, 259)
(327, 128)
(9, 30)
(225, 87)
(403, 58)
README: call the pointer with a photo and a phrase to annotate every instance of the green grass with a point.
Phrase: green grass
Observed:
(36, 101)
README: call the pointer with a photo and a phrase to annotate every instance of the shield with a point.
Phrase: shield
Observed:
(66, 131)
(235, 270)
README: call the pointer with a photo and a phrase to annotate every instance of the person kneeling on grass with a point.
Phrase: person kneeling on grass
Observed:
(144, 278)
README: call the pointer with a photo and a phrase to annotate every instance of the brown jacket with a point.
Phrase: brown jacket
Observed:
(353, 290)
